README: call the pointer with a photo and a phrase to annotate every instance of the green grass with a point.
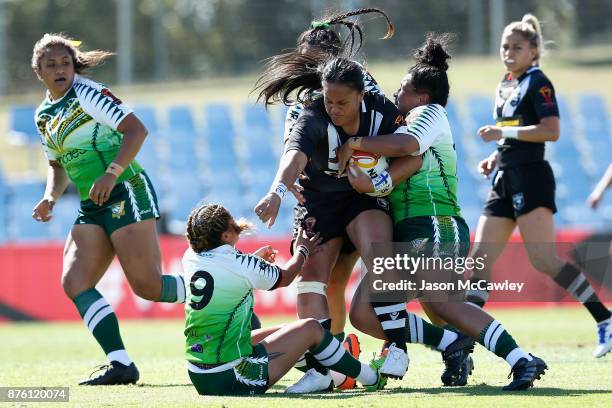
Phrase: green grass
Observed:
(59, 354)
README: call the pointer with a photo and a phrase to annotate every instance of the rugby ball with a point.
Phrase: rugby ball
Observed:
(372, 165)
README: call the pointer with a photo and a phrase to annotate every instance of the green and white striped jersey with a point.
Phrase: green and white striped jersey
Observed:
(219, 302)
(79, 131)
(432, 191)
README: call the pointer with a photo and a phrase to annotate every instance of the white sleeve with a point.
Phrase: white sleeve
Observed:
(426, 125)
(100, 103)
(292, 115)
(260, 273)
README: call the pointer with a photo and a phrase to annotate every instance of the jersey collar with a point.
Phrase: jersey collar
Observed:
(223, 249)
(54, 101)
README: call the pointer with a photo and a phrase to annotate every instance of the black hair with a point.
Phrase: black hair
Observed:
(345, 72)
(428, 74)
(295, 70)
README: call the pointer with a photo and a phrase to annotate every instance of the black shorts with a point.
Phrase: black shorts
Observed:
(519, 190)
(330, 214)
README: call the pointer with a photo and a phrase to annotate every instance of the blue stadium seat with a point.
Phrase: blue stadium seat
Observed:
(596, 129)
(219, 134)
(64, 214)
(147, 116)
(22, 127)
(181, 138)
(3, 209)
(480, 113)
(23, 196)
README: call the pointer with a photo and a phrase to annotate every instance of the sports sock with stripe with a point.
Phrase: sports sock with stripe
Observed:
(498, 341)
(102, 323)
(577, 285)
(173, 289)
(392, 317)
(331, 354)
(422, 332)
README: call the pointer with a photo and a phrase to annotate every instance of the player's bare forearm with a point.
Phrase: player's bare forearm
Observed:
(134, 133)
(291, 269)
(57, 181)
(546, 131)
(291, 165)
(404, 167)
(395, 145)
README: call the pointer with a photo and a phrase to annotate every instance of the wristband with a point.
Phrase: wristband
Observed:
(280, 189)
(383, 184)
(302, 250)
(115, 169)
(510, 132)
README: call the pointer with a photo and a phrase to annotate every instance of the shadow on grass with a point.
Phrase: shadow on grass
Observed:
(468, 391)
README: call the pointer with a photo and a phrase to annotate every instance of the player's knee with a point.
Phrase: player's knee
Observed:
(72, 284)
(356, 319)
(547, 265)
(146, 289)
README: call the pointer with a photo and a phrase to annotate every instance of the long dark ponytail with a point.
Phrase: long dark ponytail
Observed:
(298, 70)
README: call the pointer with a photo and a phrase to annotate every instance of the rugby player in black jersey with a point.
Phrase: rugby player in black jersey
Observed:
(523, 192)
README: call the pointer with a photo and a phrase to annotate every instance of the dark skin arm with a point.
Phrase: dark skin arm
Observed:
(134, 133)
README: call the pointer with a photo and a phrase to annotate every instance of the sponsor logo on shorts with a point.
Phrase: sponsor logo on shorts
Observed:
(382, 203)
(145, 212)
(118, 209)
(518, 201)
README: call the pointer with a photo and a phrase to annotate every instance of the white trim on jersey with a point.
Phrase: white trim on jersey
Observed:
(102, 108)
(430, 124)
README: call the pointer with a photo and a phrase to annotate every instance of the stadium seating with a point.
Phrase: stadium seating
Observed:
(233, 160)
(23, 130)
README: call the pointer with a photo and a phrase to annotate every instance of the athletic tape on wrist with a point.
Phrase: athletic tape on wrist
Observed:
(280, 189)
(115, 169)
(383, 184)
(510, 132)
(311, 287)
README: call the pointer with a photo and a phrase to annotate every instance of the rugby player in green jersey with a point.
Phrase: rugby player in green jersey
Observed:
(425, 209)
(91, 138)
(224, 357)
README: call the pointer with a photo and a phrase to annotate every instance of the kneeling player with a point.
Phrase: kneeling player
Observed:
(219, 304)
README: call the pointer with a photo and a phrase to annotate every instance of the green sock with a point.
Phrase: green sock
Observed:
(497, 340)
(99, 319)
(332, 355)
(173, 289)
(423, 332)
(340, 336)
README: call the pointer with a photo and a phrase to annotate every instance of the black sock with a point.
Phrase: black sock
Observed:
(392, 316)
(571, 279)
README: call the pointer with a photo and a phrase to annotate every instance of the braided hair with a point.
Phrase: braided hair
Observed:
(298, 69)
(206, 225)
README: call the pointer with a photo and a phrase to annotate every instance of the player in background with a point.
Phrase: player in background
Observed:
(523, 192)
(598, 192)
(321, 41)
(425, 209)
(224, 356)
(91, 138)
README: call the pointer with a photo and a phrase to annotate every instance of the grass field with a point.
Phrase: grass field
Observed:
(59, 354)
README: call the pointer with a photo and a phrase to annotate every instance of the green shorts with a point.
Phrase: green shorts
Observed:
(249, 377)
(446, 235)
(130, 201)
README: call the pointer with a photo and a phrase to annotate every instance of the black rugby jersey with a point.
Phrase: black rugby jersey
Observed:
(318, 138)
(523, 102)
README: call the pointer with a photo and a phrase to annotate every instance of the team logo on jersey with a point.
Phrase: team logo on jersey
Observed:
(547, 94)
(399, 121)
(518, 201)
(197, 348)
(382, 203)
(118, 209)
(109, 94)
